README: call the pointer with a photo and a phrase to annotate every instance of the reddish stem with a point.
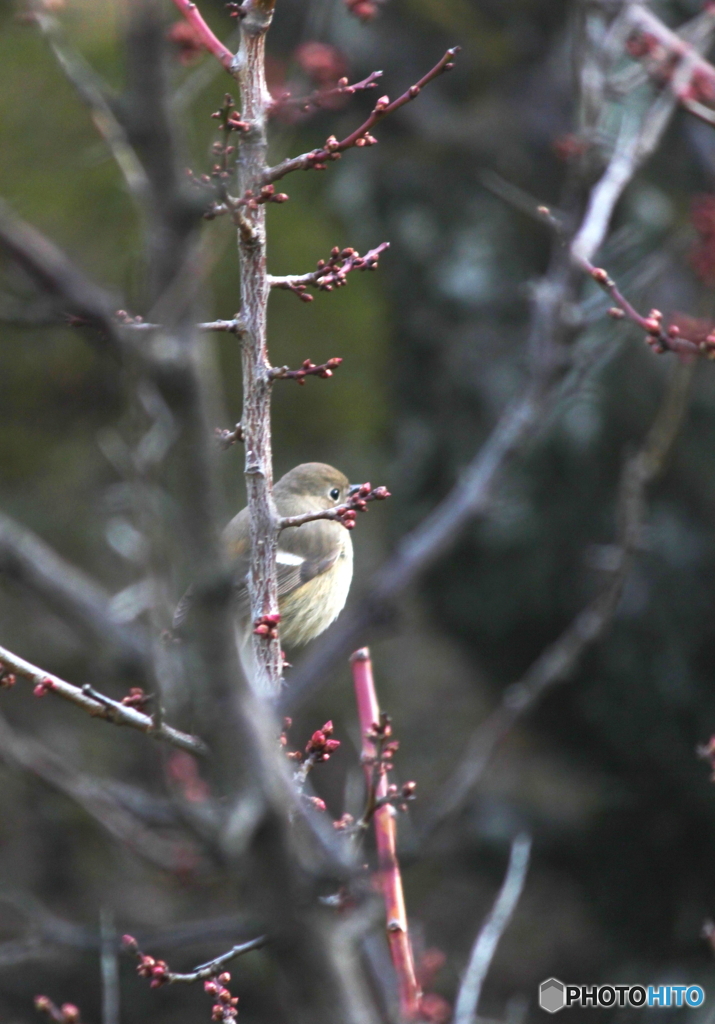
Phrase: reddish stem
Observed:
(386, 840)
(212, 43)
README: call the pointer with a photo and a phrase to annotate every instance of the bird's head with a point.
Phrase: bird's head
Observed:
(316, 481)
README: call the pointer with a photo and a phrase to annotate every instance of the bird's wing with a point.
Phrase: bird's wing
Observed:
(299, 560)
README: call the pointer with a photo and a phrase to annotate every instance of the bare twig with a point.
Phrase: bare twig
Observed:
(319, 97)
(492, 930)
(106, 708)
(215, 966)
(319, 158)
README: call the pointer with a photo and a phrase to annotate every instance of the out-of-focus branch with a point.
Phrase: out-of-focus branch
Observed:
(319, 97)
(558, 662)
(319, 158)
(68, 592)
(212, 43)
(99, 706)
(520, 424)
(55, 273)
(494, 927)
(386, 840)
(94, 93)
(31, 755)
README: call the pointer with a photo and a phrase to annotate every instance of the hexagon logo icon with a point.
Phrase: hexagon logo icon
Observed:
(552, 995)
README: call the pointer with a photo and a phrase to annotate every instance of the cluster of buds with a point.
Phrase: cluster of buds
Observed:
(43, 687)
(236, 10)
(267, 626)
(136, 698)
(347, 513)
(344, 824)
(68, 1013)
(148, 966)
(365, 10)
(267, 194)
(399, 796)
(320, 745)
(662, 57)
(308, 368)
(225, 438)
(224, 1008)
(381, 763)
(7, 678)
(229, 117)
(124, 318)
(333, 271)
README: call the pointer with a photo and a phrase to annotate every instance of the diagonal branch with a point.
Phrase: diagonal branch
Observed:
(31, 755)
(560, 659)
(486, 943)
(212, 43)
(319, 97)
(55, 273)
(104, 708)
(68, 591)
(318, 158)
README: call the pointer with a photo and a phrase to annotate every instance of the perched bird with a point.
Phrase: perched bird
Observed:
(314, 562)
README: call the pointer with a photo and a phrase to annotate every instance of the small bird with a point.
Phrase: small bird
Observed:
(314, 561)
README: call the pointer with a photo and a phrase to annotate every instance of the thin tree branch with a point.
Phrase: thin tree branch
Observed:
(330, 274)
(109, 962)
(56, 274)
(68, 592)
(319, 97)
(318, 158)
(494, 927)
(559, 660)
(31, 755)
(215, 966)
(100, 706)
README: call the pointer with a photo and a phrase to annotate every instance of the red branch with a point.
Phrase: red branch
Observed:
(331, 273)
(661, 339)
(212, 43)
(319, 97)
(386, 840)
(308, 369)
(318, 158)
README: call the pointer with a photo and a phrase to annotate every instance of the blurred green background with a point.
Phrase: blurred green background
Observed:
(604, 774)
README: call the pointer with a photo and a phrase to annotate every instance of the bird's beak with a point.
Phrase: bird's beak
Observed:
(353, 489)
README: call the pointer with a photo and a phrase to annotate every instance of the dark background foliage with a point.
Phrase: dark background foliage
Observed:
(604, 774)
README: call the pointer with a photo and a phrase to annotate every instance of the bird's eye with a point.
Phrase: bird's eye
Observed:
(335, 493)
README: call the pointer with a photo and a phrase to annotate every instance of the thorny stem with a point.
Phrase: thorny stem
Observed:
(386, 841)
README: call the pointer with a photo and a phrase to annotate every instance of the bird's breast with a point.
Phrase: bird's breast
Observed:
(309, 610)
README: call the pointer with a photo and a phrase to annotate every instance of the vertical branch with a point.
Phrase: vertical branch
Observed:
(110, 968)
(255, 290)
(487, 941)
(386, 841)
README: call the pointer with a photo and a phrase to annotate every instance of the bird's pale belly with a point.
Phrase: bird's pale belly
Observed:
(320, 602)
